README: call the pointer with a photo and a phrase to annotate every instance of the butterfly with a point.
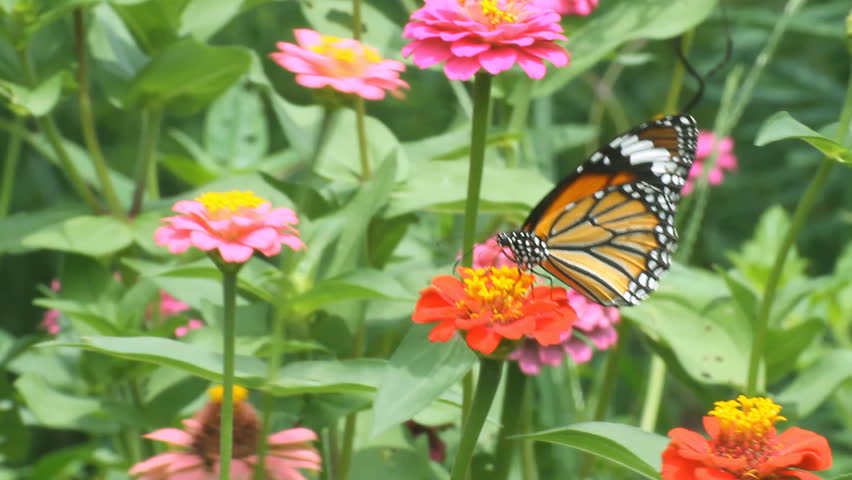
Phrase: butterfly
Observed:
(607, 230)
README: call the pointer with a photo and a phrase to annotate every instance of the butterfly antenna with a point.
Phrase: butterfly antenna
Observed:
(729, 44)
(693, 73)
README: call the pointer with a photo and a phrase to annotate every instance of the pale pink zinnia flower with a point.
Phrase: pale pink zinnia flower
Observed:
(489, 34)
(234, 223)
(490, 254)
(569, 7)
(197, 455)
(170, 305)
(725, 161)
(594, 321)
(343, 64)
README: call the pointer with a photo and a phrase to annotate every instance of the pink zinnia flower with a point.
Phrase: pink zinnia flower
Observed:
(490, 254)
(343, 64)
(50, 321)
(569, 7)
(725, 161)
(197, 456)
(233, 223)
(489, 34)
(170, 305)
(594, 321)
(192, 324)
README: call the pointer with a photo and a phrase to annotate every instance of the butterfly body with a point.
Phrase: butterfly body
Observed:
(607, 230)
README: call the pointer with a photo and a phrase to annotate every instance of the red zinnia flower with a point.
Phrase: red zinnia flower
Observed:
(744, 445)
(492, 304)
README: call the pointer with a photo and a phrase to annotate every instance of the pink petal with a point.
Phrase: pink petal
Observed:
(533, 67)
(293, 435)
(461, 68)
(307, 37)
(468, 47)
(174, 436)
(235, 253)
(498, 59)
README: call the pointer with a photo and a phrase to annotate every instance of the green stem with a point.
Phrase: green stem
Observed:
(48, 126)
(275, 347)
(348, 446)
(356, 20)
(87, 121)
(150, 135)
(529, 470)
(10, 167)
(226, 426)
(489, 378)
(753, 385)
(467, 395)
(513, 398)
(518, 120)
(479, 129)
(360, 126)
(653, 394)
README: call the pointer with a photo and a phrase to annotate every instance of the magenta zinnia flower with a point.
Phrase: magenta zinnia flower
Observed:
(569, 7)
(725, 161)
(197, 456)
(594, 321)
(490, 34)
(343, 64)
(233, 223)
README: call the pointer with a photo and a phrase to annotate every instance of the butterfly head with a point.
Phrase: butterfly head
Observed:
(528, 249)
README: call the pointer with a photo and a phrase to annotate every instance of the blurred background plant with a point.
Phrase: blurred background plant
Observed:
(115, 109)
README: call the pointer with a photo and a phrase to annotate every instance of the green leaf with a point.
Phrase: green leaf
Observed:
(625, 445)
(785, 345)
(75, 413)
(419, 371)
(117, 57)
(16, 227)
(391, 462)
(187, 76)
(154, 23)
(203, 18)
(744, 296)
(35, 101)
(86, 235)
(300, 124)
(814, 385)
(618, 23)
(334, 17)
(235, 129)
(782, 126)
(357, 285)
(442, 186)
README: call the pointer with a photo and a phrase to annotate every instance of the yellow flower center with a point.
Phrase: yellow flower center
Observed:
(746, 433)
(350, 58)
(218, 392)
(494, 12)
(751, 418)
(499, 290)
(232, 201)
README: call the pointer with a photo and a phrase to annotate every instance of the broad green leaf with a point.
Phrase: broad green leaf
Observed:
(357, 285)
(86, 235)
(15, 440)
(235, 130)
(785, 345)
(75, 413)
(815, 384)
(155, 24)
(203, 18)
(782, 126)
(187, 76)
(300, 124)
(35, 101)
(16, 227)
(65, 463)
(419, 371)
(442, 186)
(620, 22)
(391, 462)
(625, 445)
(117, 57)
(746, 299)
(338, 158)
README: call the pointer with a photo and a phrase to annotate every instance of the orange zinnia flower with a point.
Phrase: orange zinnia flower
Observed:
(491, 304)
(744, 445)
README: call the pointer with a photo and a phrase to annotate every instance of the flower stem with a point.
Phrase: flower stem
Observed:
(678, 71)
(87, 121)
(356, 20)
(48, 126)
(653, 394)
(10, 167)
(361, 127)
(151, 120)
(479, 128)
(489, 378)
(799, 217)
(275, 346)
(226, 426)
(513, 398)
(518, 121)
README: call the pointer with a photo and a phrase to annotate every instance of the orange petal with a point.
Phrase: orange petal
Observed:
(802, 449)
(482, 339)
(443, 331)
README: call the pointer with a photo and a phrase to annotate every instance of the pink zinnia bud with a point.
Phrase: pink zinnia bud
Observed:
(489, 34)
